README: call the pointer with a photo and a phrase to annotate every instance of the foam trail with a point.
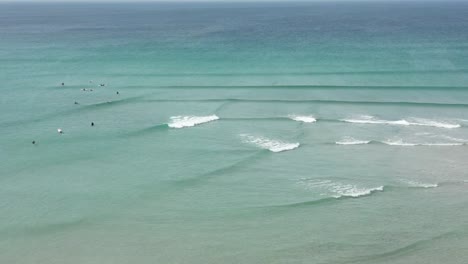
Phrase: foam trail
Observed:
(305, 119)
(400, 142)
(270, 144)
(433, 123)
(455, 139)
(441, 144)
(402, 122)
(190, 121)
(421, 185)
(354, 191)
(341, 190)
(351, 141)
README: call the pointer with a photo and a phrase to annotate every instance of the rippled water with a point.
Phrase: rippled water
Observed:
(234, 133)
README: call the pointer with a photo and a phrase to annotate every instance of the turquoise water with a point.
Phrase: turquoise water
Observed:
(241, 133)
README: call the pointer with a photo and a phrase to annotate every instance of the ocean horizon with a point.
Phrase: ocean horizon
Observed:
(286, 132)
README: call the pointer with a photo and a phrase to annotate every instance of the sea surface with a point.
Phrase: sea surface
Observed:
(234, 133)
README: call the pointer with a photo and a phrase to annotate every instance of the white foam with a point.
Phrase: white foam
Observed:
(455, 139)
(351, 141)
(348, 190)
(190, 121)
(433, 123)
(402, 122)
(421, 185)
(423, 134)
(400, 142)
(339, 190)
(463, 120)
(305, 119)
(441, 144)
(270, 144)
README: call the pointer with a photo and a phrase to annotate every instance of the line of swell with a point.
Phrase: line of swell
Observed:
(46, 228)
(113, 103)
(310, 86)
(279, 118)
(158, 127)
(340, 102)
(402, 251)
(332, 199)
(230, 74)
(220, 171)
(78, 109)
(288, 119)
(385, 143)
(373, 191)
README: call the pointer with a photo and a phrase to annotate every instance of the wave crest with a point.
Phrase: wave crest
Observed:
(354, 192)
(416, 184)
(400, 142)
(352, 141)
(414, 122)
(304, 119)
(270, 144)
(190, 121)
(342, 190)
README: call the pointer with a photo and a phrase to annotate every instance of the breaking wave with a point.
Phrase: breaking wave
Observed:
(416, 184)
(354, 191)
(352, 141)
(305, 119)
(414, 122)
(341, 190)
(190, 121)
(270, 144)
(400, 142)
(462, 140)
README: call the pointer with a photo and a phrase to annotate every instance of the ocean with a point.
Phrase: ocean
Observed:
(286, 132)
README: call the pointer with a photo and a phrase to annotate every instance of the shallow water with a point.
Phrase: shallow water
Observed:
(241, 133)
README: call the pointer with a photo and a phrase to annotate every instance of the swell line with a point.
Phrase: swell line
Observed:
(46, 228)
(311, 86)
(328, 200)
(220, 171)
(113, 103)
(72, 111)
(158, 127)
(290, 73)
(402, 251)
(344, 197)
(279, 118)
(340, 102)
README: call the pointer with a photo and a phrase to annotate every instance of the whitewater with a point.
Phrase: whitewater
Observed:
(206, 133)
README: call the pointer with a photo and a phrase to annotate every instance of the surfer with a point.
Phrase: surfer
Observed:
(117, 92)
(59, 130)
(92, 123)
(63, 84)
(33, 142)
